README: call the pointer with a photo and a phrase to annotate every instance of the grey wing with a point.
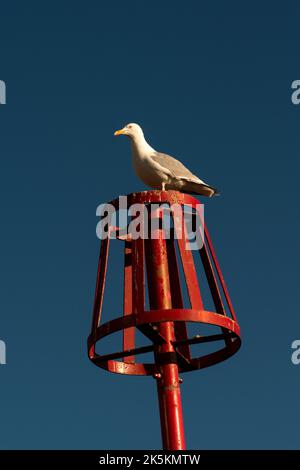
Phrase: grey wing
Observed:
(175, 166)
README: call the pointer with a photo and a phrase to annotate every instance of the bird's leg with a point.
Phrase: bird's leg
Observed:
(163, 186)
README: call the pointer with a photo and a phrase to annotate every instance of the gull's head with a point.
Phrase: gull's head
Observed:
(132, 130)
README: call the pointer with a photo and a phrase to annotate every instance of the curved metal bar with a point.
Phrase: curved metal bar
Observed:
(161, 316)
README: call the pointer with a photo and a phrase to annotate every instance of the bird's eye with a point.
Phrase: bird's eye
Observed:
(130, 126)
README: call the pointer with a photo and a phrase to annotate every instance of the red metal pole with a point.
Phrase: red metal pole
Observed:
(168, 384)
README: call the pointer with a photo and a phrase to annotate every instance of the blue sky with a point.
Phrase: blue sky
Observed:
(210, 84)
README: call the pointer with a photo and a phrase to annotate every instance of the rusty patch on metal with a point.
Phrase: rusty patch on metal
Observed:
(171, 387)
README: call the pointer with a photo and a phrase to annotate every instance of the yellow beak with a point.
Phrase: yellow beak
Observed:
(121, 131)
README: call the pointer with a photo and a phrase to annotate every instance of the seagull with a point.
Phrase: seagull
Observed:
(159, 170)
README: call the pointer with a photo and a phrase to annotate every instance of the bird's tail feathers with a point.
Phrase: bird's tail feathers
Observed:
(192, 187)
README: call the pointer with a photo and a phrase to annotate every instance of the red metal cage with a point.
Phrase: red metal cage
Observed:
(157, 261)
